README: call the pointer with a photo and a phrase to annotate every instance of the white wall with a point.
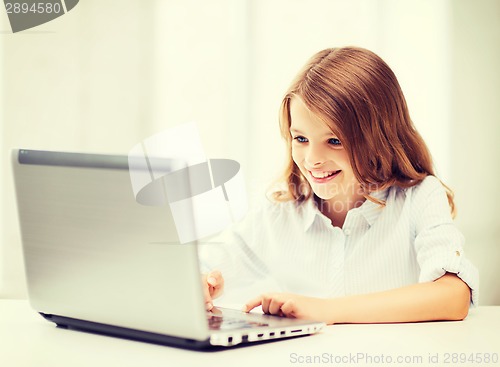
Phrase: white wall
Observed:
(103, 77)
(475, 135)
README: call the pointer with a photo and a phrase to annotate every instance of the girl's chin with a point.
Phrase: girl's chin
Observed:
(325, 198)
(321, 194)
(335, 192)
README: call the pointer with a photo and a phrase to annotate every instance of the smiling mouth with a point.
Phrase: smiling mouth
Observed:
(322, 176)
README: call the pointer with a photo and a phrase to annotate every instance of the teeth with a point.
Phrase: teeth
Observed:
(322, 174)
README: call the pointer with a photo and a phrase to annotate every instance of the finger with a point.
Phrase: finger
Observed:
(209, 306)
(212, 281)
(275, 307)
(288, 308)
(265, 302)
(220, 280)
(215, 278)
(250, 305)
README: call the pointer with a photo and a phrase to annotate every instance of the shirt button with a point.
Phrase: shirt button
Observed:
(457, 253)
(347, 231)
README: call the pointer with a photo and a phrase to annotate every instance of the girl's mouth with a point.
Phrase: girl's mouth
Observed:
(323, 176)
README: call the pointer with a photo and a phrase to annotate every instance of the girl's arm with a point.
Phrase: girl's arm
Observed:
(447, 298)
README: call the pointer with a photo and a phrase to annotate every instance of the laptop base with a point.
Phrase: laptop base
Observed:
(146, 337)
(126, 333)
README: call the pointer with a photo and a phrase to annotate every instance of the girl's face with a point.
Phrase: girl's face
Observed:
(322, 159)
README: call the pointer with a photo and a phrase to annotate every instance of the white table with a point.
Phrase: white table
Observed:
(26, 339)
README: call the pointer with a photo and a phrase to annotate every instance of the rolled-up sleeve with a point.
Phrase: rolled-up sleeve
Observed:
(439, 244)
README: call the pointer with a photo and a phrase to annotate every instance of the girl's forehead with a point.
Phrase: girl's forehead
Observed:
(300, 113)
(303, 119)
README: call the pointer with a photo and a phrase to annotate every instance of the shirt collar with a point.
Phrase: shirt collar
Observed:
(369, 210)
(309, 211)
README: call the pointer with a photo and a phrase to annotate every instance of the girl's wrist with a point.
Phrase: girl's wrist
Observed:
(333, 311)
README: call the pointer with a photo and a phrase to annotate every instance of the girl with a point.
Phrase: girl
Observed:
(362, 231)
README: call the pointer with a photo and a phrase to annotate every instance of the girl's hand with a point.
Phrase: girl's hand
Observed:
(291, 305)
(213, 286)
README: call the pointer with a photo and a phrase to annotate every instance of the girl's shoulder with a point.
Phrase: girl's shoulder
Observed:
(429, 191)
(427, 198)
(429, 187)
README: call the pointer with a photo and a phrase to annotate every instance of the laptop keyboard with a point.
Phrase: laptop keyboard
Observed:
(218, 322)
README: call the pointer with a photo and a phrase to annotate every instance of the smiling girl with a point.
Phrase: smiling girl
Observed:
(363, 230)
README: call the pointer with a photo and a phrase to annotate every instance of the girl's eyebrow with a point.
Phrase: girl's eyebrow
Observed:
(296, 131)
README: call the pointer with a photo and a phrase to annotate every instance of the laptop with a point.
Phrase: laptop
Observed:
(97, 260)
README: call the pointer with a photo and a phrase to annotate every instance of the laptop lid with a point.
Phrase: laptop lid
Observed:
(92, 252)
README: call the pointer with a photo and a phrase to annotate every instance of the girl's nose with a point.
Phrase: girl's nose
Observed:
(314, 156)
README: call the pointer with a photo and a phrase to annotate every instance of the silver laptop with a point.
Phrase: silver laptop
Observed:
(98, 261)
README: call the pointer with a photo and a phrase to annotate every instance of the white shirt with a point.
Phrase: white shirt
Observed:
(412, 239)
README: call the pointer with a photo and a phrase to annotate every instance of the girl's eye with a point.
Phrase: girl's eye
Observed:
(334, 141)
(300, 139)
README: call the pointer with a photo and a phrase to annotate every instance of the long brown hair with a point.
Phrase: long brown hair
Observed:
(355, 93)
